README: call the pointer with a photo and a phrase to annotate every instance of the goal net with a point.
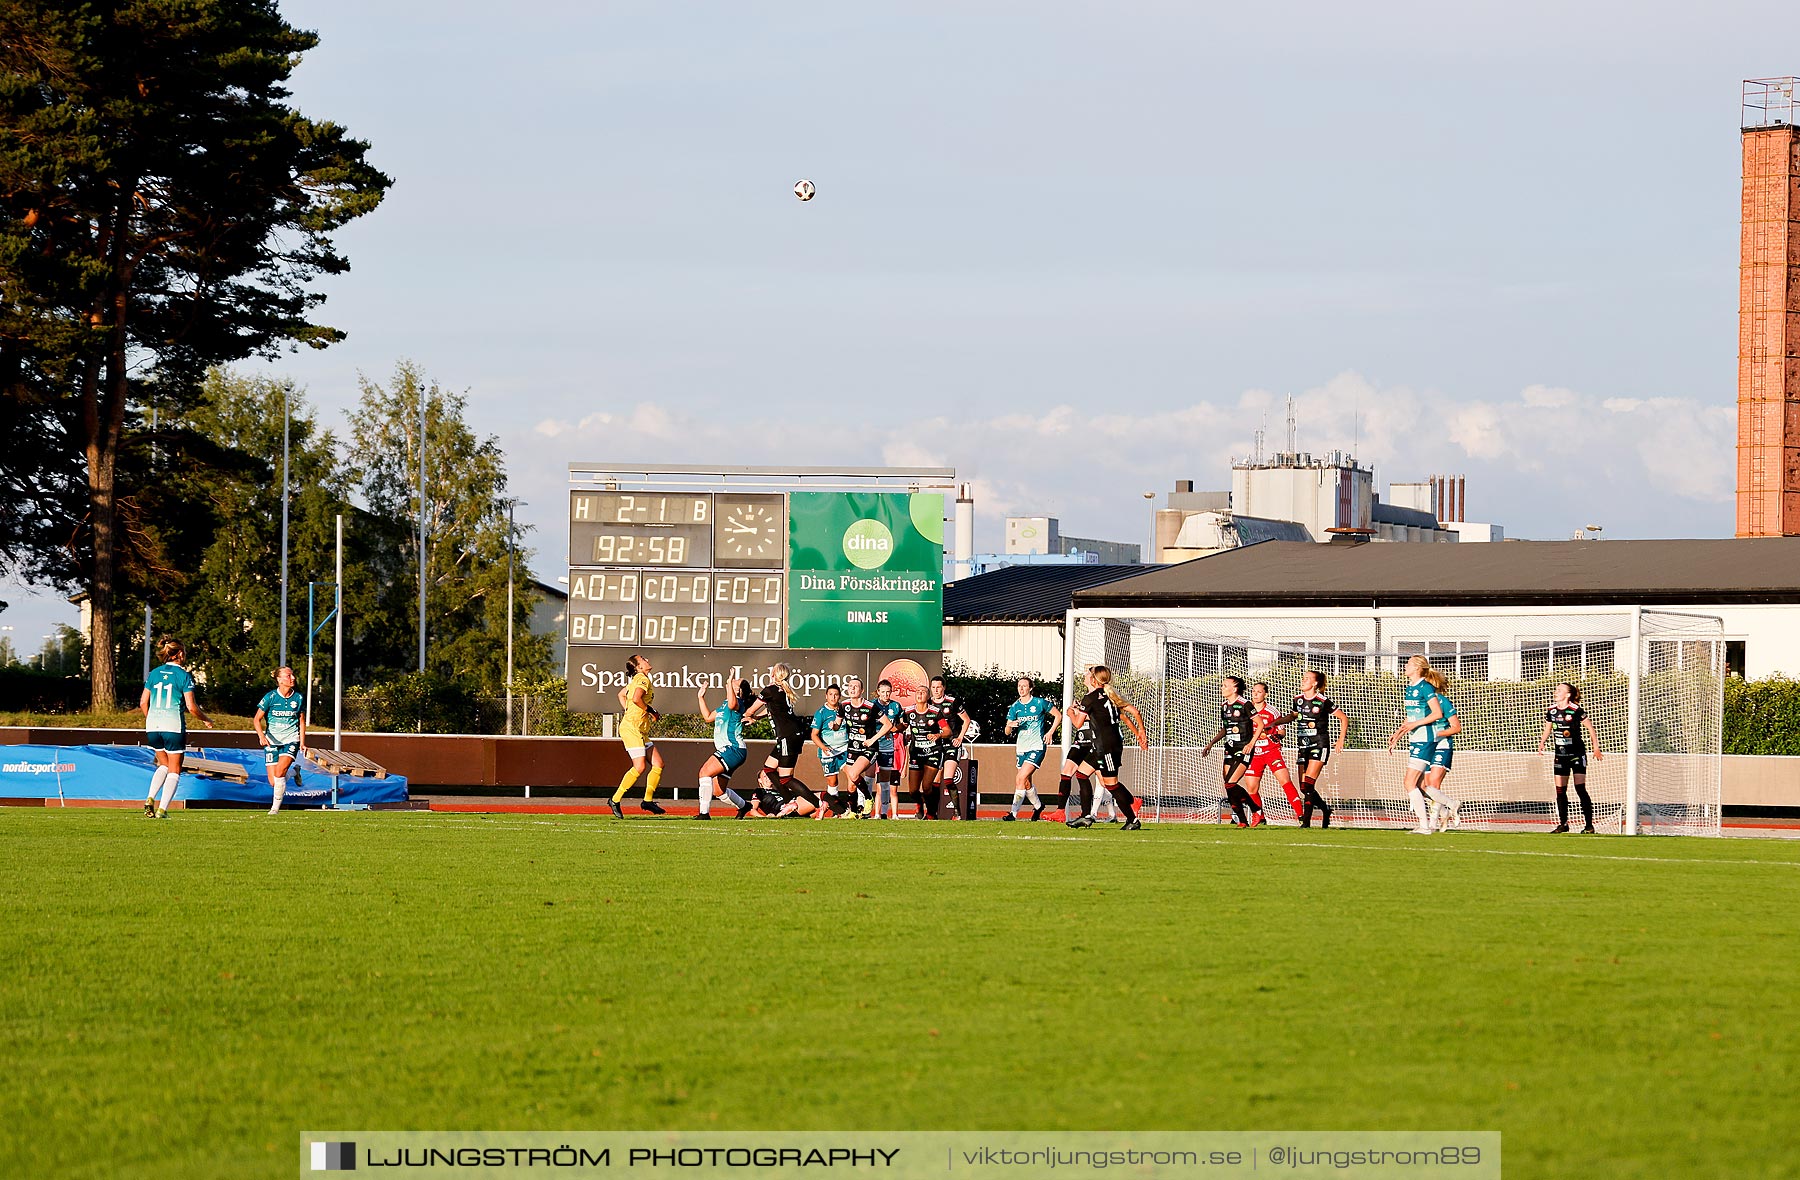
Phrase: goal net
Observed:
(1652, 683)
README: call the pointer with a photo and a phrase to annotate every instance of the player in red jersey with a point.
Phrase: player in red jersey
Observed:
(1265, 752)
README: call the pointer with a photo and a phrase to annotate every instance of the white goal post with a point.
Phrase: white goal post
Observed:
(1651, 681)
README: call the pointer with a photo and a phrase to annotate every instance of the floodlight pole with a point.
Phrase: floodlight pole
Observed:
(337, 648)
(1632, 701)
(421, 528)
(509, 618)
(285, 422)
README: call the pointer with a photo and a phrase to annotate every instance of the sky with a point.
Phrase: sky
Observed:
(1075, 251)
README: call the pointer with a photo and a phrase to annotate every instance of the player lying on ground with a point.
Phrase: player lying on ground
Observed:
(790, 739)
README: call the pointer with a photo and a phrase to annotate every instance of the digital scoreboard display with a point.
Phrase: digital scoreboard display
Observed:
(721, 584)
(656, 569)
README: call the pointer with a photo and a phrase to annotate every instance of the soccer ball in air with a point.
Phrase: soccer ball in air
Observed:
(805, 190)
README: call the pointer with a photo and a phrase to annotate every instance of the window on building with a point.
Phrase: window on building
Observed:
(1464, 659)
(1330, 656)
(1544, 659)
(1187, 659)
(1735, 658)
(1670, 655)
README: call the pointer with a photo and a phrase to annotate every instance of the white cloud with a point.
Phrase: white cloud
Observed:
(1533, 459)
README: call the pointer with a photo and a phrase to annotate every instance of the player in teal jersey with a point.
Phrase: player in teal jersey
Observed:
(831, 735)
(887, 772)
(281, 728)
(167, 691)
(1446, 812)
(728, 747)
(1423, 713)
(1032, 717)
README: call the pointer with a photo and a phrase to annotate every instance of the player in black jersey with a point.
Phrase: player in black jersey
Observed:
(1566, 722)
(1077, 788)
(868, 725)
(790, 739)
(927, 741)
(1314, 711)
(956, 724)
(1105, 708)
(1237, 728)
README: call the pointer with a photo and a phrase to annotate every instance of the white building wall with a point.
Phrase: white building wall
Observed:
(1029, 648)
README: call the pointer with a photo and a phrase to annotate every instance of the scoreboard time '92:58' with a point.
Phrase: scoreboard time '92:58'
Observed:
(625, 549)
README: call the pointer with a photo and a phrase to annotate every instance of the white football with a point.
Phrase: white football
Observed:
(805, 190)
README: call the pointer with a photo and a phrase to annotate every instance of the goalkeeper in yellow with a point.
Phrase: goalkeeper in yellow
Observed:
(640, 721)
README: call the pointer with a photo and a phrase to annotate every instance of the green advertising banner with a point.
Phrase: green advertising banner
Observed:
(866, 570)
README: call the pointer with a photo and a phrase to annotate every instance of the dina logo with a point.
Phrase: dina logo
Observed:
(333, 1157)
(868, 544)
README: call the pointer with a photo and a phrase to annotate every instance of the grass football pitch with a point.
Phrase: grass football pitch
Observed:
(182, 998)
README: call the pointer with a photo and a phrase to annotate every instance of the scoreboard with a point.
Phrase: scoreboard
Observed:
(710, 584)
(690, 569)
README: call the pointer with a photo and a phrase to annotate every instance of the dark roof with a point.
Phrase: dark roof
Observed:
(1025, 593)
(1253, 530)
(1503, 573)
(1416, 518)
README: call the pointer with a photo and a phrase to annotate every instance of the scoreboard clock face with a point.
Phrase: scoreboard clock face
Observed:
(678, 569)
(749, 531)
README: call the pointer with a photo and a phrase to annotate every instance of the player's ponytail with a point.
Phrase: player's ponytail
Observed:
(1103, 681)
(778, 676)
(170, 649)
(1574, 693)
(1434, 678)
(1318, 679)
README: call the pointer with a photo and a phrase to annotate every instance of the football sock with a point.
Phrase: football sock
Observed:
(1031, 796)
(1018, 798)
(1441, 796)
(1235, 796)
(625, 784)
(733, 798)
(1293, 795)
(1562, 805)
(706, 794)
(156, 782)
(1416, 797)
(650, 783)
(280, 789)
(171, 780)
(1122, 797)
(1063, 785)
(1587, 804)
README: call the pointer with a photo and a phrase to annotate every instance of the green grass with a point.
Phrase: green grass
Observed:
(182, 998)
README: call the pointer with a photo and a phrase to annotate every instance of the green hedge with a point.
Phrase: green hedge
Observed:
(1762, 716)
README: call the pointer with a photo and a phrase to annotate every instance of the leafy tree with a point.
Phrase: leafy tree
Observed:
(467, 535)
(162, 210)
(228, 611)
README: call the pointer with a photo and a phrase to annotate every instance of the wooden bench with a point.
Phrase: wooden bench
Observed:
(344, 762)
(207, 768)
